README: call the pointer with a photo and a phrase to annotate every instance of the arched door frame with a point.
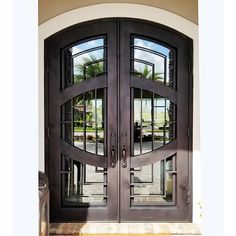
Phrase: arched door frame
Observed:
(132, 11)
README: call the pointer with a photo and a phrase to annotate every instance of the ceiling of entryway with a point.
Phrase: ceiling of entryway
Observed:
(185, 8)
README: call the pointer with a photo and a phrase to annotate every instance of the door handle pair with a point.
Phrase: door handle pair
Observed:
(113, 150)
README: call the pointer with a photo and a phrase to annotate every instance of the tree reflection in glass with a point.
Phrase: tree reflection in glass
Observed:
(89, 121)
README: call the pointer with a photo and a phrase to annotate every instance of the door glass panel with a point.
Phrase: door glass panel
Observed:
(78, 122)
(137, 121)
(100, 119)
(66, 122)
(90, 122)
(153, 60)
(171, 124)
(83, 184)
(159, 121)
(83, 122)
(154, 184)
(84, 60)
(154, 121)
(146, 122)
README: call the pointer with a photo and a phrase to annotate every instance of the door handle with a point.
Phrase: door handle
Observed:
(113, 158)
(124, 161)
(113, 150)
(124, 152)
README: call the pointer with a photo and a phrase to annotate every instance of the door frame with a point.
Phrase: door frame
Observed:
(184, 43)
(190, 115)
(53, 45)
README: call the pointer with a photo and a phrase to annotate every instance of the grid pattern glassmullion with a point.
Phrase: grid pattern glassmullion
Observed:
(162, 188)
(162, 121)
(75, 188)
(89, 55)
(84, 122)
(152, 112)
(141, 123)
(96, 126)
(164, 135)
(145, 53)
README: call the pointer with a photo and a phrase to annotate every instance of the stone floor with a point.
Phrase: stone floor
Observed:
(173, 229)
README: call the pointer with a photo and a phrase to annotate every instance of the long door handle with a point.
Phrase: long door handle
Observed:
(113, 158)
(113, 150)
(124, 161)
(124, 151)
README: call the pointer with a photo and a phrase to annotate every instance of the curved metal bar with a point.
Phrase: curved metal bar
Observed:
(151, 85)
(82, 156)
(154, 156)
(88, 50)
(82, 87)
(149, 50)
(142, 61)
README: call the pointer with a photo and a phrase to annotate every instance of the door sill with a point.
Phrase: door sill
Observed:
(124, 228)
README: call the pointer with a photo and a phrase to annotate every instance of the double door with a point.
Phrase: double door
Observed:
(118, 122)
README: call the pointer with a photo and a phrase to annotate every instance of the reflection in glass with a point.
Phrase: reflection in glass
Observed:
(154, 120)
(88, 65)
(159, 121)
(154, 61)
(85, 60)
(82, 183)
(156, 69)
(79, 122)
(146, 121)
(81, 47)
(89, 121)
(66, 122)
(154, 184)
(170, 122)
(137, 121)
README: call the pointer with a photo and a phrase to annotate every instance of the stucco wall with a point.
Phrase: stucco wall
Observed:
(185, 8)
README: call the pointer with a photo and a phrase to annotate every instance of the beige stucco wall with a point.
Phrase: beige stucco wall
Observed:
(185, 8)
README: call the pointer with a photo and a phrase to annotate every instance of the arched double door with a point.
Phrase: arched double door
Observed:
(118, 121)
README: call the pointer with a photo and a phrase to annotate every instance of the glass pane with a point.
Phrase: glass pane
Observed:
(89, 110)
(159, 121)
(78, 122)
(100, 122)
(84, 61)
(154, 119)
(137, 121)
(146, 121)
(87, 67)
(156, 71)
(140, 177)
(82, 183)
(66, 122)
(90, 119)
(87, 45)
(154, 61)
(143, 70)
(171, 119)
(154, 184)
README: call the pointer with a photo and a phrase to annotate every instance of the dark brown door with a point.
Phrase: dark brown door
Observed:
(118, 122)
